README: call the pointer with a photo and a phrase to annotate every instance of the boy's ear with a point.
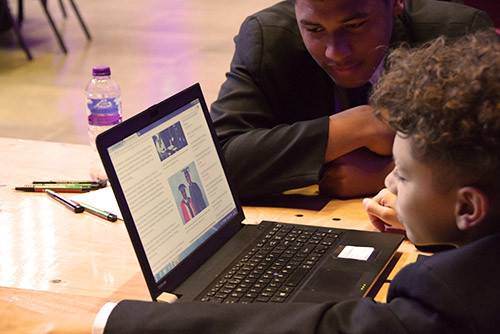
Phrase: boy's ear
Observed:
(471, 208)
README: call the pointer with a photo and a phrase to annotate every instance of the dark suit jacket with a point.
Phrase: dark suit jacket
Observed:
(271, 114)
(453, 291)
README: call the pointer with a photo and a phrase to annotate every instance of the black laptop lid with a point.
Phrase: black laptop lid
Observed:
(169, 178)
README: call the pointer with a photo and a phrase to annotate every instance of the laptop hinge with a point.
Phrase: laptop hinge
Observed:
(248, 221)
(167, 298)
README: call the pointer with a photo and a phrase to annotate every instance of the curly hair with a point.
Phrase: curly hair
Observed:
(445, 96)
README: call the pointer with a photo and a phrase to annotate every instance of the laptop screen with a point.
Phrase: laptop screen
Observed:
(174, 185)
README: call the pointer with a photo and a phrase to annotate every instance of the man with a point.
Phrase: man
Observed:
(278, 113)
(195, 192)
(447, 191)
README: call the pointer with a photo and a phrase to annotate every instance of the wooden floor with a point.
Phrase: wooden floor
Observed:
(154, 48)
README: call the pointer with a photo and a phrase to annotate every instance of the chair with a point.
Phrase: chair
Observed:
(52, 24)
(17, 25)
(17, 31)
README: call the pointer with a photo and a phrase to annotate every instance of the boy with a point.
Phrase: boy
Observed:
(444, 102)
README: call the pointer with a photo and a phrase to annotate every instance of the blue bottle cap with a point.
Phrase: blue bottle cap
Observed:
(101, 71)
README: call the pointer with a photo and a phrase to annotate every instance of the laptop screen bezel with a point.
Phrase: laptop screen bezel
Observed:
(134, 124)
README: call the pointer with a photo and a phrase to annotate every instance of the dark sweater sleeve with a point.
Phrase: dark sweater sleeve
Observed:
(356, 316)
(420, 300)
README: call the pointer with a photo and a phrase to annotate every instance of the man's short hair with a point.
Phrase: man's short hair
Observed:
(386, 1)
(445, 96)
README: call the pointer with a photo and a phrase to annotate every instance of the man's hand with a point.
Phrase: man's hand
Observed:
(356, 174)
(381, 211)
(356, 128)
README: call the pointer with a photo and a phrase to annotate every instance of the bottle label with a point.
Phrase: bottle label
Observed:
(104, 111)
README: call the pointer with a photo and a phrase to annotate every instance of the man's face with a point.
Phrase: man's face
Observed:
(427, 213)
(188, 177)
(347, 38)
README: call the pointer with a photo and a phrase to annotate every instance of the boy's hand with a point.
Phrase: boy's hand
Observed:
(381, 211)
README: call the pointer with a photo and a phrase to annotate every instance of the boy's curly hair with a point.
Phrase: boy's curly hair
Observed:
(445, 96)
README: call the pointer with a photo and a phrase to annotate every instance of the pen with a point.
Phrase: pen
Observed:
(66, 188)
(100, 213)
(91, 186)
(99, 184)
(73, 206)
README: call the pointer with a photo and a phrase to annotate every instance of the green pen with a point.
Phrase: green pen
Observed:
(66, 188)
(93, 184)
(100, 213)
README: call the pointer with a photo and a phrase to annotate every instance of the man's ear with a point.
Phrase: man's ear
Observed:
(399, 6)
(471, 208)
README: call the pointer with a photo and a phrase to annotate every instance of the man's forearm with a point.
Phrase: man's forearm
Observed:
(355, 128)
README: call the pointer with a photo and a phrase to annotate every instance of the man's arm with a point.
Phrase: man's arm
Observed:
(355, 128)
(356, 174)
(358, 153)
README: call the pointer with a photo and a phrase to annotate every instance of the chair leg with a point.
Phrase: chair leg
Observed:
(51, 21)
(63, 9)
(20, 12)
(17, 31)
(80, 19)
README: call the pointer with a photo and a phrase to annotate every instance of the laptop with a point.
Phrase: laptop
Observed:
(188, 230)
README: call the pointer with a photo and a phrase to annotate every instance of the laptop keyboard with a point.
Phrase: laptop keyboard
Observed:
(271, 270)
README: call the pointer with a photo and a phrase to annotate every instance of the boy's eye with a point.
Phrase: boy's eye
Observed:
(399, 177)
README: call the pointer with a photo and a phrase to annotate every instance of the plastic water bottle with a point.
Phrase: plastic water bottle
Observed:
(104, 110)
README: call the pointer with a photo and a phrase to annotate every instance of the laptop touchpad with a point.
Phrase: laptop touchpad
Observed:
(330, 284)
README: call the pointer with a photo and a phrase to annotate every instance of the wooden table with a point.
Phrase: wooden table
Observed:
(53, 258)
